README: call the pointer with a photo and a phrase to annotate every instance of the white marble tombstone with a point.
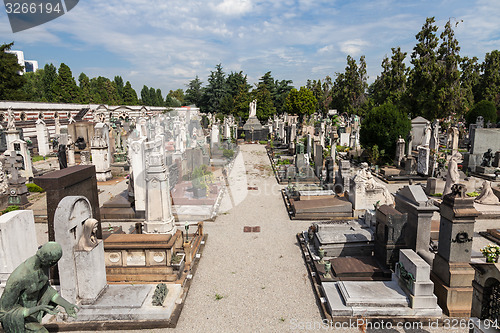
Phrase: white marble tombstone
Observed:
(159, 217)
(344, 139)
(42, 137)
(101, 155)
(71, 151)
(82, 273)
(21, 148)
(214, 135)
(142, 127)
(17, 241)
(57, 125)
(138, 164)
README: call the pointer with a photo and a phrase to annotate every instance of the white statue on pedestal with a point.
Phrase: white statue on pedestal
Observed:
(253, 109)
(11, 122)
(426, 138)
(453, 175)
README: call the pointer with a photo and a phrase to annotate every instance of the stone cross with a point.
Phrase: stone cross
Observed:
(13, 162)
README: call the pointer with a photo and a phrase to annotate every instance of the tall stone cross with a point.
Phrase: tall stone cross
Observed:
(12, 164)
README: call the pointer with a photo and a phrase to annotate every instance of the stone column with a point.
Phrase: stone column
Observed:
(138, 165)
(454, 140)
(71, 152)
(400, 151)
(159, 218)
(451, 272)
(42, 137)
(411, 199)
(101, 159)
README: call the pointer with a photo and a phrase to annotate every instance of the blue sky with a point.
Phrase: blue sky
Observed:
(165, 44)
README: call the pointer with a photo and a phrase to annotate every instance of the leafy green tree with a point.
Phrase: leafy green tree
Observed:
(145, 98)
(129, 95)
(469, 81)
(265, 106)
(489, 87)
(171, 100)
(449, 91)
(278, 90)
(391, 84)
(349, 88)
(103, 91)
(241, 103)
(112, 96)
(119, 86)
(11, 82)
(159, 98)
(382, 126)
(153, 97)
(33, 86)
(64, 87)
(484, 108)
(423, 77)
(235, 82)
(85, 93)
(178, 94)
(49, 77)
(301, 102)
(194, 92)
(283, 88)
(215, 91)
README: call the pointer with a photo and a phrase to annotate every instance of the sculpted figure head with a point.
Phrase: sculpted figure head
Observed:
(89, 239)
(49, 254)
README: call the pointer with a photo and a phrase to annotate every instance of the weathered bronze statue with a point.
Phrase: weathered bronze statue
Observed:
(28, 295)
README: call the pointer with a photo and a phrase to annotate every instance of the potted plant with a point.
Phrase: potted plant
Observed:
(491, 253)
(199, 179)
(177, 260)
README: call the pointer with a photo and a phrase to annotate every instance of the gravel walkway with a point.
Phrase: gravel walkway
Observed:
(261, 277)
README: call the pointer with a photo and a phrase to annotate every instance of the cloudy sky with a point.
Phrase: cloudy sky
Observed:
(165, 44)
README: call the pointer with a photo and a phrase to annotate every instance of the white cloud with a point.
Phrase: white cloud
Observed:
(352, 47)
(234, 7)
(326, 49)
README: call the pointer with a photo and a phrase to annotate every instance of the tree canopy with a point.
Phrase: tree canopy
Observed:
(11, 81)
(382, 126)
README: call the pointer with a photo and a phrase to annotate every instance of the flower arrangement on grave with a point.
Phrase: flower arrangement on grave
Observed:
(491, 252)
(201, 178)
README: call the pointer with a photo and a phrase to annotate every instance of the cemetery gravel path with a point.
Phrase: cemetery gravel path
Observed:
(261, 277)
(251, 282)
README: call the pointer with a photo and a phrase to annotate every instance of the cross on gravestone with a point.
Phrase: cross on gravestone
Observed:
(13, 163)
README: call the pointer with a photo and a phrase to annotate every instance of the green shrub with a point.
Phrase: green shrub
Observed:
(382, 126)
(201, 177)
(228, 153)
(10, 209)
(486, 109)
(37, 158)
(34, 187)
(262, 142)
